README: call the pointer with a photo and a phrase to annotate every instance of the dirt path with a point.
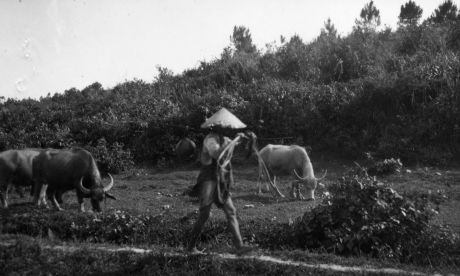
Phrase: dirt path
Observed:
(227, 256)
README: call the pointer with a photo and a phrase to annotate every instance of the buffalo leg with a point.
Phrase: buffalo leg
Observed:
(43, 194)
(259, 186)
(20, 191)
(36, 192)
(276, 188)
(269, 176)
(259, 180)
(59, 197)
(52, 196)
(294, 190)
(299, 194)
(40, 194)
(81, 202)
(4, 193)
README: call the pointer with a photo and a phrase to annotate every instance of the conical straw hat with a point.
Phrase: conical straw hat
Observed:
(223, 118)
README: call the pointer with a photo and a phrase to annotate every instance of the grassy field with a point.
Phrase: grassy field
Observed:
(160, 193)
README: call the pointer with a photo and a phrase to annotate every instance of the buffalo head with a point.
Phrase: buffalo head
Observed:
(97, 193)
(310, 183)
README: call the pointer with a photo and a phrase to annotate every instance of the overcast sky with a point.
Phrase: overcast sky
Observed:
(48, 46)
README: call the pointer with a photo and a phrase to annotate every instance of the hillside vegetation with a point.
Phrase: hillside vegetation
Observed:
(394, 93)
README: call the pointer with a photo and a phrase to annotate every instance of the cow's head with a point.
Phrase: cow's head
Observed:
(97, 193)
(310, 183)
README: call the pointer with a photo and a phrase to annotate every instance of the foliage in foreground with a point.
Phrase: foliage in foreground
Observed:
(363, 216)
(383, 167)
(27, 257)
(360, 217)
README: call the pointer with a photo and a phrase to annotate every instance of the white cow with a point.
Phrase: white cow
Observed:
(281, 160)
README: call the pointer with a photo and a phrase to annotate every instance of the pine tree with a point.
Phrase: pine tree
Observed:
(242, 40)
(447, 11)
(369, 18)
(410, 13)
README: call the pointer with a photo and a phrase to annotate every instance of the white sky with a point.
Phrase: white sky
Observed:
(49, 46)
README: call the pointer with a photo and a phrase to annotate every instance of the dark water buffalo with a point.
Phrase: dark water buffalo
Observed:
(185, 149)
(59, 171)
(288, 160)
(15, 169)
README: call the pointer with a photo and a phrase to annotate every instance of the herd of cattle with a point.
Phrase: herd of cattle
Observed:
(52, 172)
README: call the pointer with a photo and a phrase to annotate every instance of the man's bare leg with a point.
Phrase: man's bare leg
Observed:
(230, 212)
(206, 200)
(197, 228)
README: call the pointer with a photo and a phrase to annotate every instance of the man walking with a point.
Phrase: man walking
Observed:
(216, 176)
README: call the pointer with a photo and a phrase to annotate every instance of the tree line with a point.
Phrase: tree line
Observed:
(390, 92)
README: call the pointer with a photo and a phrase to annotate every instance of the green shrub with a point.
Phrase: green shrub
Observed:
(362, 216)
(385, 167)
(111, 158)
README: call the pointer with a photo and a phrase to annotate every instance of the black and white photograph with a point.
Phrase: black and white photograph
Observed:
(229, 137)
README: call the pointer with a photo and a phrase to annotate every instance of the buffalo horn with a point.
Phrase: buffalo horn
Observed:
(322, 177)
(298, 176)
(83, 189)
(110, 185)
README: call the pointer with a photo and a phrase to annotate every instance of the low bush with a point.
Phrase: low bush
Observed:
(385, 167)
(363, 216)
(111, 158)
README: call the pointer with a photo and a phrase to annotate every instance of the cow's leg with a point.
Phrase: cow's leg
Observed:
(299, 194)
(262, 174)
(20, 191)
(4, 185)
(294, 189)
(276, 188)
(81, 202)
(52, 196)
(40, 194)
(259, 180)
(36, 192)
(59, 197)
(267, 187)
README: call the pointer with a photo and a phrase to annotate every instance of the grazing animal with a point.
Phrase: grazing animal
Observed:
(185, 149)
(279, 160)
(59, 171)
(15, 169)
